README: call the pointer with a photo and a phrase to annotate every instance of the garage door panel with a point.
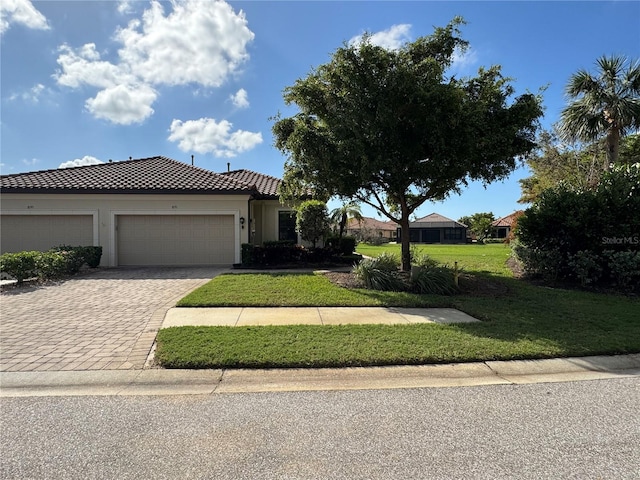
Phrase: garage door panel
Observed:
(176, 239)
(42, 232)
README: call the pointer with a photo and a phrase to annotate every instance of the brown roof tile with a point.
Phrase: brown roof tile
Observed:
(146, 175)
(266, 185)
(508, 220)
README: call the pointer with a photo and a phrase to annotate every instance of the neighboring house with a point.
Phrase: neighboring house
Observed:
(369, 229)
(501, 227)
(151, 211)
(435, 228)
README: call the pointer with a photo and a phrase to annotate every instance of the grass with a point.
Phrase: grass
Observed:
(521, 321)
(476, 258)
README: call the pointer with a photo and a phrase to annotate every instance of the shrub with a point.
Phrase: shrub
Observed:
(92, 255)
(564, 235)
(624, 268)
(586, 267)
(434, 280)
(21, 265)
(312, 221)
(344, 245)
(421, 259)
(381, 273)
(246, 250)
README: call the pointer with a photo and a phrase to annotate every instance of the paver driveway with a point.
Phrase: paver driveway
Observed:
(101, 320)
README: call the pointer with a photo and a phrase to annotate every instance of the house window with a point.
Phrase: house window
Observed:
(287, 226)
(453, 234)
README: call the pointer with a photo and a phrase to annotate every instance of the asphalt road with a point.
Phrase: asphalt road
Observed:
(581, 430)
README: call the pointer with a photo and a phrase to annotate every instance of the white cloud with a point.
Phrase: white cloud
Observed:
(32, 95)
(123, 104)
(197, 43)
(79, 162)
(240, 99)
(30, 163)
(125, 6)
(392, 39)
(208, 136)
(22, 12)
(463, 63)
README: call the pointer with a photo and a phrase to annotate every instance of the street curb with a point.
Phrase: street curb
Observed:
(208, 382)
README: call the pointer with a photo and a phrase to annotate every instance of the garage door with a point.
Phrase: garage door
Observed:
(175, 239)
(41, 232)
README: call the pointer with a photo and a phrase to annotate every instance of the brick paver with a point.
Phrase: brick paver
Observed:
(99, 320)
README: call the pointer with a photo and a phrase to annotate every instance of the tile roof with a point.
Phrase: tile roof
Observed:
(146, 175)
(508, 220)
(371, 224)
(435, 220)
(266, 185)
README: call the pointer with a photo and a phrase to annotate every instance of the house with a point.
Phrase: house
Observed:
(435, 228)
(501, 227)
(369, 229)
(150, 211)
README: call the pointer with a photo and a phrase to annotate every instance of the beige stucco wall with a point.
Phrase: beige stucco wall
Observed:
(265, 220)
(105, 208)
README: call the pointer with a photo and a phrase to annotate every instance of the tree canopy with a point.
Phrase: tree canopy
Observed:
(606, 104)
(479, 224)
(391, 129)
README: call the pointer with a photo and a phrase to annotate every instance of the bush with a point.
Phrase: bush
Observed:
(376, 278)
(20, 265)
(343, 245)
(421, 259)
(565, 234)
(434, 280)
(54, 264)
(92, 255)
(624, 268)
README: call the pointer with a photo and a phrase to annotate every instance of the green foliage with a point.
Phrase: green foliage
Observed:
(479, 224)
(606, 104)
(312, 220)
(57, 262)
(341, 215)
(624, 268)
(246, 254)
(344, 245)
(565, 234)
(393, 130)
(437, 280)
(421, 259)
(20, 265)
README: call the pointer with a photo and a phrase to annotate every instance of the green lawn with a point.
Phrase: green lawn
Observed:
(519, 321)
(488, 258)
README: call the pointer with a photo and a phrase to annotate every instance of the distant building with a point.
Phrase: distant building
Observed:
(369, 229)
(435, 228)
(501, 227)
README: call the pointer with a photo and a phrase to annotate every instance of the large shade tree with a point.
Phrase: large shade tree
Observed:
(393, 130)
(605, 104)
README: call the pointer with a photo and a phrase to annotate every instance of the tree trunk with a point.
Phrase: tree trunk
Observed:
(404, 234)
(343, 223)
(613, 148)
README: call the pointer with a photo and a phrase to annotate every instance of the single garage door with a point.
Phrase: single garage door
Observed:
(175, 239)
(41, 232)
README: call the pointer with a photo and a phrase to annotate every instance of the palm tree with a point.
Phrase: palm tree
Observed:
(606, 105)
(341, 214)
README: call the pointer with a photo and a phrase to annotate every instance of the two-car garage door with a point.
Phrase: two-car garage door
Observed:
(42, 232)
(175, 239)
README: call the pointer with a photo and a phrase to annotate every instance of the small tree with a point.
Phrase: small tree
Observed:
(393, 130)
(312, 221)
(342, 214)
(605, 105)
(479, 224)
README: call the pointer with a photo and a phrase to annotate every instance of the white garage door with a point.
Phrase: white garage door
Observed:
(42, 232)
(175, 239)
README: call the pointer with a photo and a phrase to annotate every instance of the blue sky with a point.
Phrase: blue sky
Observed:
(89, 81)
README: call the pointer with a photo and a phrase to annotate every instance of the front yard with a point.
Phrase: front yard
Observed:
(520, 321)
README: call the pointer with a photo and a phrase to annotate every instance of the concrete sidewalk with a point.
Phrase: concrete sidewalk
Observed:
(245, 316)
(208, 382)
